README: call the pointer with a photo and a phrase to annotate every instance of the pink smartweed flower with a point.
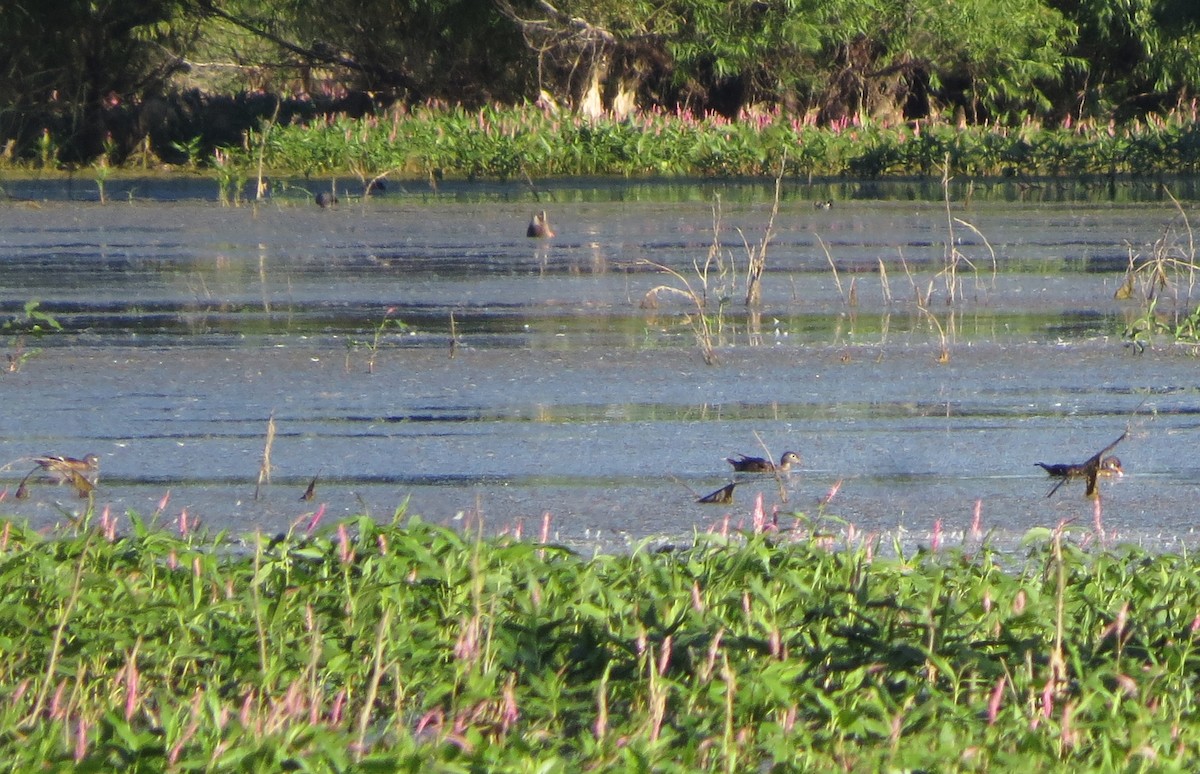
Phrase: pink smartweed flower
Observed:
(339, 703)
(664, 655)
(1196, 623)
(108, 526)
(247, 708)
(937, 535)
(162, 504)
(382, 544)
(56, 709)
(519, 529)
(1048, 698)
(832, 493)
(510, 715)
(183, 523)
(197, 568)
(546, 527)
(977, 521)
(20, 692)
(434, 717)
(345, 552)
(4, 537)
(132, 679)
(758, 517)
(1116, 629)
(996, 698)
(81, 740)
(1097, 519)
(698, 603)
(172, 560)
(316, 519)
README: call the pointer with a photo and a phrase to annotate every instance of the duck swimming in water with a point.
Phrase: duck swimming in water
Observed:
(539, 227)
(1097, 465)
(743, 464)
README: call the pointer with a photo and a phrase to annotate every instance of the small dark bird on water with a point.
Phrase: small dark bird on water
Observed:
(1096, 465)
(310, 492)
(723, 496)
(325, 199)
(539, 226)
(743, 464)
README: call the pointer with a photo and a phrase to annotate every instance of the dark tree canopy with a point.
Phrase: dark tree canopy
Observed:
(80, 72)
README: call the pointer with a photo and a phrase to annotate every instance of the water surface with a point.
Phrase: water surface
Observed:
(188, 325)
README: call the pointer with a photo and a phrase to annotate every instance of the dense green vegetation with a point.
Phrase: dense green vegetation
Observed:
(511, 144)
(406, 646)
(80, 80)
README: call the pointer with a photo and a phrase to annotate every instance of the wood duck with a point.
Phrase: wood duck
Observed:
(80, 472)
(823, 205)
(1097, 465)
(723, 496)
(743, 464)
(539, 226)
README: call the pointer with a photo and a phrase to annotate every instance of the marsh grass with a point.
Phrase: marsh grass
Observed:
(1161, 279)
(409, 646)
(433, 142)
(715, 281)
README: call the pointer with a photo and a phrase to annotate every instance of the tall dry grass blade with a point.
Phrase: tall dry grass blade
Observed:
(264, 468)
(377, 670)
(758, 255)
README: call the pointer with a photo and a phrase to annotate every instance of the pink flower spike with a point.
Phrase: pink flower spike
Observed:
(81, 740)
(162, 504)
(937, 535)
(997, 697)
(759, 517)
(346, 554)
(132, 679)
(833, 490)
(316, 518)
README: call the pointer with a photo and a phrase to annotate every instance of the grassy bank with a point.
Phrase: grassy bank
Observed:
(407, 646)
(511, 143)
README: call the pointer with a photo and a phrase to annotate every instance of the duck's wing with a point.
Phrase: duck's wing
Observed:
(1092, 466)
(1095, 459)
(83, 487)
(722, 496)
(1057, 484)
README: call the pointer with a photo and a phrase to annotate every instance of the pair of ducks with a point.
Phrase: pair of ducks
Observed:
(81, 473)
(1099, 464)
(744, 464)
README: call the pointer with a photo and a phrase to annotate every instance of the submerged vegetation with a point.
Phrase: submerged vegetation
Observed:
(407, 646)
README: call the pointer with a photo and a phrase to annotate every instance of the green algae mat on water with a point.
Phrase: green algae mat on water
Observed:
(408, 646)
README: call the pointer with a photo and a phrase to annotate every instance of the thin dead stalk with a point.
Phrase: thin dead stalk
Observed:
(264, 468)
(758, 254)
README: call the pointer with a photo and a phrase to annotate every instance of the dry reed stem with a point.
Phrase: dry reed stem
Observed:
(264, 469)
(758, 255)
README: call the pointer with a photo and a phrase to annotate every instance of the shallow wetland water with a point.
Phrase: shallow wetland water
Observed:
(187, 325)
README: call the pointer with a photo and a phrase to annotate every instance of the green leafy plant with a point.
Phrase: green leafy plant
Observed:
(32, 321)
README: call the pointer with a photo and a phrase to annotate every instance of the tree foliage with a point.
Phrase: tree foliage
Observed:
(80, 71)
(71, 66)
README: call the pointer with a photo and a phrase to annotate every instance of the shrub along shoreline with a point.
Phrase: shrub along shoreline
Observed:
(409, 646)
